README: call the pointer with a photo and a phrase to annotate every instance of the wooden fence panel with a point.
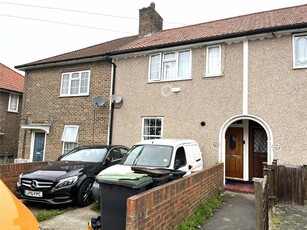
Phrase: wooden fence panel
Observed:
(291, 184)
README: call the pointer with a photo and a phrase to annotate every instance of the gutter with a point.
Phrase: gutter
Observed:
(111, 106)
(70, 61)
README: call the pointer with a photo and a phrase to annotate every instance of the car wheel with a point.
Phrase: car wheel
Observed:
(85, 196)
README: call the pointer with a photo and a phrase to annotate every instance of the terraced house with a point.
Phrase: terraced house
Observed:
(11, 90)
(236, 85)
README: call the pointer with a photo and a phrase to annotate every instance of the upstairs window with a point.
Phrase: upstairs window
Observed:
(70, 137)
(75, 83)
(170, 66)
(152, 128)
(300, 51)
(213, 64)
(13, 103)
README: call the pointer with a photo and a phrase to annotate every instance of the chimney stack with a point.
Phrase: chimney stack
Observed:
(150, 21)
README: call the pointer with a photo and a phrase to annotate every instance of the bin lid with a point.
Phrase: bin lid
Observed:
(133, 180)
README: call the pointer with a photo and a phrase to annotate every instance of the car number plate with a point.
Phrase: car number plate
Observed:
(34, 193)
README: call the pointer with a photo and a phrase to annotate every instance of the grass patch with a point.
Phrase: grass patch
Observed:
(202, 213)
(49, 214)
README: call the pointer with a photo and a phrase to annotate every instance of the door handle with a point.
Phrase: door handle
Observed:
(233, 156)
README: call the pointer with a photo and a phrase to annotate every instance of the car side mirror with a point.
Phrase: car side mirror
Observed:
(177, 164)
(107, 161)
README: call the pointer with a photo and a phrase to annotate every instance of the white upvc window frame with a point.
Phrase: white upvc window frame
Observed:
(160, 64)
(13, 103)
(150, 136)
(66, 90)
(208, 60)
(295, 38)
(67, 139)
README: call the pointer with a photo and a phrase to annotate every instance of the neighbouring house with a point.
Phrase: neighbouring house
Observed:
(236, 85)
(11, 90)
(66, 102)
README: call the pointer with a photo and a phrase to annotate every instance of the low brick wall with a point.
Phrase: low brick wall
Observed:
(166, 206)
(9, 173)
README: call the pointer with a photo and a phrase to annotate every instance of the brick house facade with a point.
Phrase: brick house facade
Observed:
(11, 90)
(47, 113)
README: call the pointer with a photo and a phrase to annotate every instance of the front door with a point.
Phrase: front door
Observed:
(258, 151)
(234, 153)
(38, 147)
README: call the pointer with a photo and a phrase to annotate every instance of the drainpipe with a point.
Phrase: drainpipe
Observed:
(111, 106)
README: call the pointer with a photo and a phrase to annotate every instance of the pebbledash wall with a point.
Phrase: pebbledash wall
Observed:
(166, 206)
(9, 173)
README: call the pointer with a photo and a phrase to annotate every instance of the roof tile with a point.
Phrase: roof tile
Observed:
(11, 80)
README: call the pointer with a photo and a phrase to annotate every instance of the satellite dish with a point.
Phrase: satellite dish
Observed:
(117, 100)
(99, 101)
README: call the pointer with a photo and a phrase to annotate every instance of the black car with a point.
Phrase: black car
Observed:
(70, 178)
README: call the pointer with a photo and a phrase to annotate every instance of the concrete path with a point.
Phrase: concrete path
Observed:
(73, 220)
(237, 212)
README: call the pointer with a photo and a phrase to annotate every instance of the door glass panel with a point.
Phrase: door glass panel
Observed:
(232, 142)
(260, 141)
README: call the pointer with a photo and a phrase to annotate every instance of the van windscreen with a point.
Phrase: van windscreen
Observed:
(149, 155)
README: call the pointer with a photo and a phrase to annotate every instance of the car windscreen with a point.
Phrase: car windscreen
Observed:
(149, 155)
(86, 155)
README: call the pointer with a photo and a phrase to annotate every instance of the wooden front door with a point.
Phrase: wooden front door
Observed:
(258, 151)
(234, 153)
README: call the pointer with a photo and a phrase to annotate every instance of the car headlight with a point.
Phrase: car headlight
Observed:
(66, 181)
(19, 178)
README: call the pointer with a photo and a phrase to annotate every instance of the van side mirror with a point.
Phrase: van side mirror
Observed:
(177, 164)
(107, 161)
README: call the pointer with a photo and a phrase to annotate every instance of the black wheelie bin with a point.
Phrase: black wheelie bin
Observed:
(114, 191)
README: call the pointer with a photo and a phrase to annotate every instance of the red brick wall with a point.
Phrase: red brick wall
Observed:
(43, 104)
(9, 125)
(166, 206)
(9, 173)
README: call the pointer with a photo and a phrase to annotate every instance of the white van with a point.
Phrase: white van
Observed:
(178, 154)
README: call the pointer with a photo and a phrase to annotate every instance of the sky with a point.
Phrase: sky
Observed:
(31, 30)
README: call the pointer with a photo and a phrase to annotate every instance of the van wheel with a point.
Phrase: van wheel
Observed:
(85, 196)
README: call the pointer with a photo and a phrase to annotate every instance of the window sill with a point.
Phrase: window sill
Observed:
(10, 111)
(83, 95)
(214, 76)
(299, 67)
(171, 80)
